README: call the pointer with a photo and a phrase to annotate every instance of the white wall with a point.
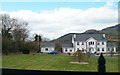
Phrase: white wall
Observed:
(100, 46)
(93, 50)
(49, 49)
(110, 49)
(80, 46)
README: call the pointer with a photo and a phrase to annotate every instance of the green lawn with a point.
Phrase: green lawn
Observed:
(55, 62)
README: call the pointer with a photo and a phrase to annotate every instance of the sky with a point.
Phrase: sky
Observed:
(54, 19)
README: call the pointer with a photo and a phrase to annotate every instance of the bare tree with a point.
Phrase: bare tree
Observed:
(12, 30)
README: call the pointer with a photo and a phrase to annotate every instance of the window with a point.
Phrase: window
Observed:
(102, 49)
(82, 43)
(98, 49)
(66, 50)
(98, 43)
(78, 49)
(46, 49)
(77, 43)
(70, 50)
(102, 43)
(112, 49)
(91, 43)
(108, 49)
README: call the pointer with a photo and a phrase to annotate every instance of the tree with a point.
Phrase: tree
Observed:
(80, 56)
(13, 32)
(38, 39)
(58, 47)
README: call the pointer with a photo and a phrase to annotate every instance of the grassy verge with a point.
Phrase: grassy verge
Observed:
(54, 62)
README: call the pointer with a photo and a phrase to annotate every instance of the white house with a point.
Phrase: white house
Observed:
(93, 43)
(47, 47)
(67, 48)
(90, 42)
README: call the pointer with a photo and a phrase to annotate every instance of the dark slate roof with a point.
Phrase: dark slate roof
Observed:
(84, 37)
(112, 44)
(67, 45)
(47, 44)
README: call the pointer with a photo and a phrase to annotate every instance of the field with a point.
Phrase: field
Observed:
(58, 62)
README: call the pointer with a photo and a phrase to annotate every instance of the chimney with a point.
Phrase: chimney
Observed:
(74, 35)
(73, 38)
(104, 35)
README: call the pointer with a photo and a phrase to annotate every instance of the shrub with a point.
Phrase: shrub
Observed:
(79, 56)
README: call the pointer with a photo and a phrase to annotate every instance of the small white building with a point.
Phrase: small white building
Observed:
(47, 47)
(67, 48)
(112, 47)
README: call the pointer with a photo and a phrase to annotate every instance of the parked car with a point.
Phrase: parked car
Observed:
(53, 52)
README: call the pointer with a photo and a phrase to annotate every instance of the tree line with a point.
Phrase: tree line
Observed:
(14, 34)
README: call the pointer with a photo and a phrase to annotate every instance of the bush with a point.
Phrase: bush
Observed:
(25, 49)
(79, 56)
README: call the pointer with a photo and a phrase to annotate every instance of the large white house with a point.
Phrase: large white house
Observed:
(93, 43)
(90, 42)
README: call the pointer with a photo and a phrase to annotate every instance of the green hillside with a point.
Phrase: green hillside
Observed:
(112, 32)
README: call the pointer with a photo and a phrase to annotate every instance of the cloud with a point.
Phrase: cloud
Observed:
(57, 22)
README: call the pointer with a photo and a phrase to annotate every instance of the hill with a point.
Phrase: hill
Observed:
(113, 30)
(111, 34)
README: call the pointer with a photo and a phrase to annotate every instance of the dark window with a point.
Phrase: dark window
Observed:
(82, 43)
(70, 50)
(102, 43)
(98, 49)
(46, 49)
(77, 43)
(98, 43)
(108, 49)
(102, 49)
(91, 43)
(66, 50)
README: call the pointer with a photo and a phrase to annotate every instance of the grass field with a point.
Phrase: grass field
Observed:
(55, 62)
